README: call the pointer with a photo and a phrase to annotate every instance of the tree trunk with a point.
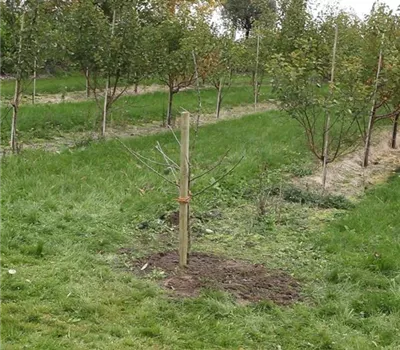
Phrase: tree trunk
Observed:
(256, 73)
(219, 97)
(34, 81)
(328, 116)
(87, 82)
(136, 88)
(105, 108)
(367, 145)
(169, 111)
(247, 27)
(15, 105)
(371, 120)
(394, 132)
(17, 93)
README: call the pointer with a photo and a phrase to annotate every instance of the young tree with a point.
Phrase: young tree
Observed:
(381, 71)
(20, 23)
(116, 49)
(218, 68)
(300, 81)
(179, 37)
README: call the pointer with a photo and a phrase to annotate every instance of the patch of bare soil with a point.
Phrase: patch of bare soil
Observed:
(246, 281)
(347, 177)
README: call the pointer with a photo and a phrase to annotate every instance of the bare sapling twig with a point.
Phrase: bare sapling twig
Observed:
(220, 178)
(144, 163)
(184, 181)
(211, 169)
(173, 133)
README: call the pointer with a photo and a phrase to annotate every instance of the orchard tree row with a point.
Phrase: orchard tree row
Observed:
(336, 74)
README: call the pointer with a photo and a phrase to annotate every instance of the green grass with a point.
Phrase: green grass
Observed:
(54, 85)
(64, 83)
(48, 85)
(66, 215)
(47, 120)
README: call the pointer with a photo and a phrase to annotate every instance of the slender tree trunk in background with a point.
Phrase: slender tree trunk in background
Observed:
(394, 132)
(106, 102)
(105, 108)
(256, 73)
(34, 81)
(87, 82)
(219, 97)
(371, 120)
(17, 94)
(136, 88)
(184, 195)
(199, 106)
(169, 110)
(328, 116)
(15, 105)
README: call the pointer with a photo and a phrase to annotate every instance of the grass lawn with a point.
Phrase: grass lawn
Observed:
(47, 120)
(66, 215)
(54, 85)
(76, 82)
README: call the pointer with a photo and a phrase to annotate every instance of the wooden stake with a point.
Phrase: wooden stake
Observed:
(371, 120)
(184, 192)
(328, 117)
(105, 107)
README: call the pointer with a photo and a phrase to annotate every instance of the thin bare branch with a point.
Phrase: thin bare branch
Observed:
(212, 168)
(145, 164)
(220, 178)
(173, 133)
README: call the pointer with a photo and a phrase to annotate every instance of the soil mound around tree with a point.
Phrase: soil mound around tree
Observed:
(246, 281)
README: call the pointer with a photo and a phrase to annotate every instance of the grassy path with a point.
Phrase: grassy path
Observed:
(46, 121)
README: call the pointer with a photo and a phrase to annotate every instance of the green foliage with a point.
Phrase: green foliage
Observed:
(243, 14)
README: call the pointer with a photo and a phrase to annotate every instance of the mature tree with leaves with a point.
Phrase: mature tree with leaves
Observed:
(244, 13)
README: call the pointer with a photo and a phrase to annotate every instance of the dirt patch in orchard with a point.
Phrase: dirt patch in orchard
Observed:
(347, 177)
(246, 281)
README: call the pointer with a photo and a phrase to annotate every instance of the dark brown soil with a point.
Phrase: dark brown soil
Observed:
(246, 281)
